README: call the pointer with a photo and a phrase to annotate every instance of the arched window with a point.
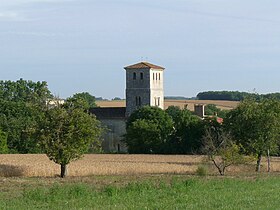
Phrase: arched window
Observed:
(136, 101)
(141, 75)
(159, 76)
(134, 76)
(158, 101)
(140, 102)
(156, 76)
(153, 76)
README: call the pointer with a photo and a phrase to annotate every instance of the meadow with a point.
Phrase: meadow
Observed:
(141, 192)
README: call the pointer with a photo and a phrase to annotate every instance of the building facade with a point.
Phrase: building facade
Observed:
(144, 87)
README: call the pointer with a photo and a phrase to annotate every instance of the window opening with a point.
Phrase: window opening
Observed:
(141, 76)
(134, 76)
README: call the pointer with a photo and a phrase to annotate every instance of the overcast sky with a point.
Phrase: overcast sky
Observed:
(83, 45)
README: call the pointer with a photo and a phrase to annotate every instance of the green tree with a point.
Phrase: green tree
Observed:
(87, 98)
(188, 129)
(66, 134)
(3, 143)
(148, 130)
(21, 106)
(19, 121)
(213, 110)
(256, 125)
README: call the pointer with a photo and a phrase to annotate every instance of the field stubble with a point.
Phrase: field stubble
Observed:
(41, 166)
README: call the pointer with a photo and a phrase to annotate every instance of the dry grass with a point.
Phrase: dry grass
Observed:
(226, 105)
(41, 166)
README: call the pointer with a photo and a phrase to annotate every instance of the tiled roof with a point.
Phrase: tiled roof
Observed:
(143, 65)
(109, 112)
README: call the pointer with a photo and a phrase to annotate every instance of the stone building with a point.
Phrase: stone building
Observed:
(144, 87)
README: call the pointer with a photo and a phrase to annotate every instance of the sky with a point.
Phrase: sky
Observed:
(83, 45)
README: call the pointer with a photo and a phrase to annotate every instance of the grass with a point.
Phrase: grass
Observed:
(147, 192)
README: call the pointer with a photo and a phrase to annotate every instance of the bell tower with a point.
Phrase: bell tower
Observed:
(144, 86)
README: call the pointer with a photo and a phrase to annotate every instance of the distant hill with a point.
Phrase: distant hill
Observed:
(234, 95)
(178, 98)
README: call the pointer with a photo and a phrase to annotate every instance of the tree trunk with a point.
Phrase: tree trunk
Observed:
(268, 160)
(63, 172)
(258, 169)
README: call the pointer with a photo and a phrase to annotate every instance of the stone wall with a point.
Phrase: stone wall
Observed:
(116, 128)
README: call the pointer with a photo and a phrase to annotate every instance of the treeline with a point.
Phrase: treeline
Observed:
(252, 129)
(235, 96)
(23, 106)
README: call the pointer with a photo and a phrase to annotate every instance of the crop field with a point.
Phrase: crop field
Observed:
(225, 105)
(41, 166)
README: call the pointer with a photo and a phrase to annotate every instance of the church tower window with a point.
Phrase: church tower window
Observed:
(141, 75)
(134, 76)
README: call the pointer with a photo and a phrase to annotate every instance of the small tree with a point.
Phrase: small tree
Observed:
(256, 125)
(221, 149)
(66, 135)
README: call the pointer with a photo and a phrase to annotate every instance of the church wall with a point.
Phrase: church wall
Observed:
(112, 137)
(137, 88)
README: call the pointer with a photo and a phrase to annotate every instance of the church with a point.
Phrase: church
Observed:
(144, 87)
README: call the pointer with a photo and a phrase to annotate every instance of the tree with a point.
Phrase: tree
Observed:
(19, 121)
(148, 130)
(3, 143)
(213, 110)
(256, 125)
(221, 149)
(188, 129)
(66, 135)
(88, 99)
(21, 106)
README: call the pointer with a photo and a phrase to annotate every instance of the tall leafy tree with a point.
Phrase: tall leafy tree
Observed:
(148, 130)
(188, 129)
(67, 133)
(21, 106)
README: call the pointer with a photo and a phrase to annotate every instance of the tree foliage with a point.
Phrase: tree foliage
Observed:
(3, 143)
(148, 130)
(235, 95)
(84, 98)
(66, 134)
(21, 105)
(188, 129)
(213, 110)
(256, 125)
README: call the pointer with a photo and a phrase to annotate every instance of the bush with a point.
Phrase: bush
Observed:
(201, 171)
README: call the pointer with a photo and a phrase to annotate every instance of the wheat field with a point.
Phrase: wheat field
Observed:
(40, 166)
(225, 105)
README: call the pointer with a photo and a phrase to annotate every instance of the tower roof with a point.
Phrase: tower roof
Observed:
(143, 65)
